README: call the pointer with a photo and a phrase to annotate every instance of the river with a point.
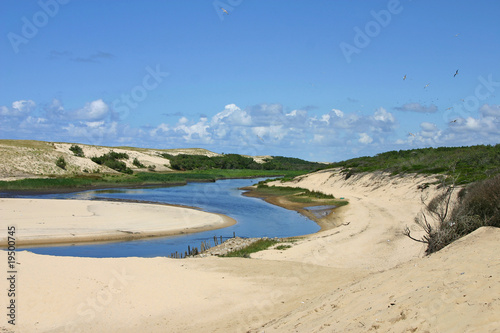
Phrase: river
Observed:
(255, 218)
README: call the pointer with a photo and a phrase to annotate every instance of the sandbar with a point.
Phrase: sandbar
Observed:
(55, 221)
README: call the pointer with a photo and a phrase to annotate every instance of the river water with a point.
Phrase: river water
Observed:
(254, 216)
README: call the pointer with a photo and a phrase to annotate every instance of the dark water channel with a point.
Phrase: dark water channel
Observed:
(255, 218)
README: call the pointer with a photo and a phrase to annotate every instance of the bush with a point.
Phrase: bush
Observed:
(111, 160)
(77, 151)
(137, 163)
(477, 206)
(61, 163)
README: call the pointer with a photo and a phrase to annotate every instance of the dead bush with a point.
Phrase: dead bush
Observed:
(476, 206)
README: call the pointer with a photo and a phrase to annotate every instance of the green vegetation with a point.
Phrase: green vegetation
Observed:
(61, 163)
(477, 205)
(140, 178)
(261, 244)
(283, 247)
(111, 160)
(468, 163)
(235, 161)
(77, 151)
(298, 194)
(137, 163)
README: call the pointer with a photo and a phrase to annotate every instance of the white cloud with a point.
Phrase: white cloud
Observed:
(95, 110)
(382, 115)
(338, 113)
(232, 115)
(19, 108)
(258, 129)
(365, 138)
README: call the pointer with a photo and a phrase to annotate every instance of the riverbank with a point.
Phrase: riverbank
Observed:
(331, 218)
(42, 222)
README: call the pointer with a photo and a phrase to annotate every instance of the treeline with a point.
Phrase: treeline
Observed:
(469, 164)
(235, 161)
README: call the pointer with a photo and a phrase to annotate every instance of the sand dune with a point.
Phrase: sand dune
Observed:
(363, 276)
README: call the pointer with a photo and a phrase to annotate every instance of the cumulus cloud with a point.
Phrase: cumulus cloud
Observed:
(365, 138)
(417, 107)
(95, 110)
(232, 115)
(382, 121)
(19, 108)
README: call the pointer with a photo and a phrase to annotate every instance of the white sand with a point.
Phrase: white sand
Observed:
(41, 221)
(359, 277)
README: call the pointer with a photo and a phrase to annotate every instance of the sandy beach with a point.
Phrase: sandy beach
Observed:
(361, 276)
(42, 221)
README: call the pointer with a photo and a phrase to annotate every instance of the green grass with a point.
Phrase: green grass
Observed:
(467, 164)
(136, 179)
(298, 194)
(261, 244)
(283, 247)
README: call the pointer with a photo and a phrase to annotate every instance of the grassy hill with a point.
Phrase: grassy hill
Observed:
(467, 164)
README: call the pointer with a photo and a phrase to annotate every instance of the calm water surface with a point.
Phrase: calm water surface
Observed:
(255, 218)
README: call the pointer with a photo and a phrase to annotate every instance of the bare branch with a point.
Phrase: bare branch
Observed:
(407, 233)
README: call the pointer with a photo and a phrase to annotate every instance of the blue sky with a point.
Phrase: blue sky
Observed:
(319, 80)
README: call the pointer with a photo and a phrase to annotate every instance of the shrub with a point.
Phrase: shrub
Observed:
(61, 163)
(476, 206)
(111, 160)
(137, 163)
(77, 151)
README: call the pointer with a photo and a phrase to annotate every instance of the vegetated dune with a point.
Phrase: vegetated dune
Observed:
(32, 159)
(29, 158)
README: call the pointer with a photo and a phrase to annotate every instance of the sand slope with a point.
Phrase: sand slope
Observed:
(379, 209)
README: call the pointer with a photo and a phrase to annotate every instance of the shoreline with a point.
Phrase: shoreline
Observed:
(331, 221)
(100, 186)
(65, 222)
